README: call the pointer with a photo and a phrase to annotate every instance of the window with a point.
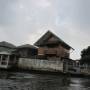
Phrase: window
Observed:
(4, 63)
(4, 57)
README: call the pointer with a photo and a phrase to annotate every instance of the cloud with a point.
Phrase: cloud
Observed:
(25, 21)
(42, 3)
(7, 14)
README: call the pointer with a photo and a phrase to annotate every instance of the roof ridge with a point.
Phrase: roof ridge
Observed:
(7, 44)
(26, 45)
(46, 35)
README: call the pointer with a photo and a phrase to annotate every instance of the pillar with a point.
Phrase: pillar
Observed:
(1, 59)
(8, 57)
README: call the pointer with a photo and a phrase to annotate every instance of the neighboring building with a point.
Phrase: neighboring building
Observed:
(71, 66)
(26, 51)
(53, 55)
(51, 46)
(7, 57)
(5, 46)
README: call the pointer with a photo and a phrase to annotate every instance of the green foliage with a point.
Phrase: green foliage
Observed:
(85, 51)
(85, 55)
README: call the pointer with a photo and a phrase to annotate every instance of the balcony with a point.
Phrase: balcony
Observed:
(50, 52)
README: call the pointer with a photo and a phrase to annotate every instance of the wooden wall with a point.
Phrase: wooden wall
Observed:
(60, 51)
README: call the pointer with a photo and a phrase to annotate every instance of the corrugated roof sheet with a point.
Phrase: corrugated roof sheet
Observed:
(46, 36)
(7, 44)
(27, 46)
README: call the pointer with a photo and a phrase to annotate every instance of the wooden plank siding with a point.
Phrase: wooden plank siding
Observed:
(57, 51)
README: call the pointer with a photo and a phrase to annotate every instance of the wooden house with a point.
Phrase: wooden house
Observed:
(26, 51)
(7, 57)
(51, 46)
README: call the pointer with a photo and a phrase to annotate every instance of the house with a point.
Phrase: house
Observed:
(52, 55)
(7, 57)
(51, 46)
(26, 51)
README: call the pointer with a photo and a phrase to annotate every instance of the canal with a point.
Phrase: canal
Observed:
(29, 81)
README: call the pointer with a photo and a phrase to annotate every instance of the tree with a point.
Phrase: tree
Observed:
(85, 55)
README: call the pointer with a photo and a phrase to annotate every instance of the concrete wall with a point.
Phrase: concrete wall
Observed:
(37, 64)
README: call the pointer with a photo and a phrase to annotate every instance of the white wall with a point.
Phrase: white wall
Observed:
(36, 64)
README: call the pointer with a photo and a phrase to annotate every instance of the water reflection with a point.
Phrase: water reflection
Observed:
(27, 81)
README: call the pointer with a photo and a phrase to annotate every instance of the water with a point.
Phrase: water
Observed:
(27, 81)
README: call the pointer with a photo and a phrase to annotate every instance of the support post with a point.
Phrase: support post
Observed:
(1, 59)
(8, 57)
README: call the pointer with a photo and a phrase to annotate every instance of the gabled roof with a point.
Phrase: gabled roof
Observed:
(7, 44)
(46, 36)
(27, 46)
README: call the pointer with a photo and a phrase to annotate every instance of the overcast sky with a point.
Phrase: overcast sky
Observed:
(24, 21)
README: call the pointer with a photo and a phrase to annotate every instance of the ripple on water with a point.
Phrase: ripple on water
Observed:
(27, 81)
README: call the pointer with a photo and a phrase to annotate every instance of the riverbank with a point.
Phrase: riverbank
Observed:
(44, 72)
